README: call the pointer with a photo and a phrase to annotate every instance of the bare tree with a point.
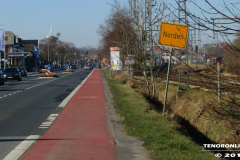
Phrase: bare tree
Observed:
(131, 28)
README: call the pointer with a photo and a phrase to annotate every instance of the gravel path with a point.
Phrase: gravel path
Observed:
(127, 147)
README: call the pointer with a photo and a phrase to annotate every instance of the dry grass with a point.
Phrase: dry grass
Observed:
(160, 135)
(230, 75)
(199, 108)
(52, 74)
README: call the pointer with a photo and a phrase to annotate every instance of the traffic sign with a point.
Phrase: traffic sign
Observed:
(173, 35)
(127, 56)
(129, 59)
(129, 62)
(48, 67)
(48, 72)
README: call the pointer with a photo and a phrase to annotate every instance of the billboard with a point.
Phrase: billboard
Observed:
(36, 51)
(1, 39)
(115, 58)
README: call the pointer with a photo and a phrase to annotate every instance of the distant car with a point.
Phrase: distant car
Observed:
(23, 71)
(90, 65)
(42, 69)
(13, 73)
(62, 67)
(2, 80)
(73, 67)
(87, 67)
(5, 76)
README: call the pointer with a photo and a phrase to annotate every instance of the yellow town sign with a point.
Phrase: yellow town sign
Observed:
(174, 35)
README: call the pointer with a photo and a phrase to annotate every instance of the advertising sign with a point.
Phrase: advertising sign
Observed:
(36, 51)
(1, 39)
(115, 58)
(173, 35)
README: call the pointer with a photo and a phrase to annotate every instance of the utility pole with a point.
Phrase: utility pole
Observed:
(199, 43)
(149, 32)
(219, 81)
(182, 16)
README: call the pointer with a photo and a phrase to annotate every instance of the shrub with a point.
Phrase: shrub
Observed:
(52, 74)
(70, 70)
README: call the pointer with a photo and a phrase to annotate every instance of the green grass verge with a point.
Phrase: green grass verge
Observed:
(158, 133)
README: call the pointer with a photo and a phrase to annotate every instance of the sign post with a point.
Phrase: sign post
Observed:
(129, 61)
(68, 67)
(48, 67)
(115, 59)
(2, 46)
(174, 36)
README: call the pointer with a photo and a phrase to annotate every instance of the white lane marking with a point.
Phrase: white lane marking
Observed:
(45, 125)
(49, 121)
(88, 97)
(69, 97)
(27, 88)
(21, 148)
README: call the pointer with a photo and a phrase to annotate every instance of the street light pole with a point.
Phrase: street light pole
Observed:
(49, 48)
(48, 52)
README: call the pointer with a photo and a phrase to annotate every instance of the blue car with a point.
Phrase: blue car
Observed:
(62, 67)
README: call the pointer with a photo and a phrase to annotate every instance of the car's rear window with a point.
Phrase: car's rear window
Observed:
(11, 69)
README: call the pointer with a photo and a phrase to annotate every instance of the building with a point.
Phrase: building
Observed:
(19, 52)
(14, 50)
(31, 46)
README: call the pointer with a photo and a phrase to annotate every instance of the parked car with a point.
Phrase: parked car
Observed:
(5, 76)
(73, 66)
(42, 69)
(91, 65)
(87, 67)
(13, 73)
(62, 67)
(2, 80)
(24, 71)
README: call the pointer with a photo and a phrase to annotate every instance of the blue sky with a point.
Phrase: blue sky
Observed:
(76, 20)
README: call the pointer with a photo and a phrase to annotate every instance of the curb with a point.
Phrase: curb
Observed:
(69, 97)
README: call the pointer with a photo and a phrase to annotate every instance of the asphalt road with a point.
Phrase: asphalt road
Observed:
(30, 106)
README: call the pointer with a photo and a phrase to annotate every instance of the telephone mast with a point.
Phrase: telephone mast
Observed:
(182, 16)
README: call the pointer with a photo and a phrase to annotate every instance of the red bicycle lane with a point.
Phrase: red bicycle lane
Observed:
(81, 130)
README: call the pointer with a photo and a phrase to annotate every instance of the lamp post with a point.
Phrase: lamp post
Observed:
(49, 48)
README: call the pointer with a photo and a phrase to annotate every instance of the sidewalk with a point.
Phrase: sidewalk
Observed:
(30, 73)
(81, 131)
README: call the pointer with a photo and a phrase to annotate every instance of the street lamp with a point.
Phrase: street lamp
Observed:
(48, 48)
